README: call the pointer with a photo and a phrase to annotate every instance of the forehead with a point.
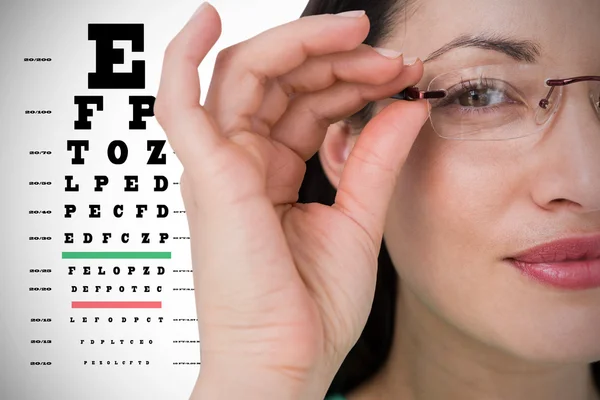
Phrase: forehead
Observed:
(564, 29)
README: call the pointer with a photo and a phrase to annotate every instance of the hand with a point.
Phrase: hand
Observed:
(283, 290)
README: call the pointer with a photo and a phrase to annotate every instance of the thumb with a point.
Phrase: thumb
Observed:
(369, 176)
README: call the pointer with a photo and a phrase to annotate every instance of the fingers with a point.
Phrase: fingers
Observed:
(241, 71)
(189, 129)
(361, 65)
(303, 126)
(370, 174)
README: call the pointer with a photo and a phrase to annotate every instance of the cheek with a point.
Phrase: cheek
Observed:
(456, 207)
(451, 196)
(444, 228)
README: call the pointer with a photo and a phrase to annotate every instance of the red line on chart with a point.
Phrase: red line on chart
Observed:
(116, 304)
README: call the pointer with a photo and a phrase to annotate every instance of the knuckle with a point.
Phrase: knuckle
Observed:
(225, 57)
(361, 216)
(371, 159)
(287, 87)
(322, 121)
(363, 93)
(160, 110)
(171, 48)
(183, 184)
(186, 193)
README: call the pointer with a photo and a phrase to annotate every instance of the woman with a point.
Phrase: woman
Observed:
(487, 196)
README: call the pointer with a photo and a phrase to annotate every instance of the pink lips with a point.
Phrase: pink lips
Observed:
(572, 263)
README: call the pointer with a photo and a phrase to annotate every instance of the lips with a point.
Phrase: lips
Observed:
(572, 263)
(577, 249)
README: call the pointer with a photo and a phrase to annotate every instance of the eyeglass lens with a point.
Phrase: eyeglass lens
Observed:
(497, 102)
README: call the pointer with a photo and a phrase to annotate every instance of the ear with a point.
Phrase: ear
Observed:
(335, 150)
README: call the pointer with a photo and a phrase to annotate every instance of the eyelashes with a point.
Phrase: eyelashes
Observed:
(478, 93)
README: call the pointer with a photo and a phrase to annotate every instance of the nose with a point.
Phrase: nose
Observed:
(568, 167)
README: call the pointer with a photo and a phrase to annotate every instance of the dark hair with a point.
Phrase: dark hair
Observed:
(372, 348)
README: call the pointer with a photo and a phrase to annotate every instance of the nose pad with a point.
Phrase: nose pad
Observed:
(548, 106)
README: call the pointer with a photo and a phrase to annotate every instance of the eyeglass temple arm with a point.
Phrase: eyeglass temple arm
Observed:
(413, 93)
(545, 102)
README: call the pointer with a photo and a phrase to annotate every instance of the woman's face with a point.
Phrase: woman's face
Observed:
(462, 207)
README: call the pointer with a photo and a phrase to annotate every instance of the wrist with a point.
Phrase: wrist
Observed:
(223, 379)
(244, 384)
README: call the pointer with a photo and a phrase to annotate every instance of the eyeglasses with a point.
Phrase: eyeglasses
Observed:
(497, 102)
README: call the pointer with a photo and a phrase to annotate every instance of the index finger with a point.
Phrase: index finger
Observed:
(189, 128)
(241, 71)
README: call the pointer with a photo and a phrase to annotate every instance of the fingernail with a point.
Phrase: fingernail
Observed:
(408, 61)
(389, 53)
(199, 9)
(351, 14)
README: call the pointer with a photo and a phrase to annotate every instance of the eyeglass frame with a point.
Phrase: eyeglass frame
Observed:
(413, 93)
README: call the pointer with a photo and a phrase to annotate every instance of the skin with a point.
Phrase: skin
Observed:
(468, 325)
(283, 290)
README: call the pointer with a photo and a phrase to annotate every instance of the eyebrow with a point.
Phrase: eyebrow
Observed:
(520, 50)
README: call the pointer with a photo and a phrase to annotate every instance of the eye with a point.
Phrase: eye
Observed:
(482, 97)
(480, 93)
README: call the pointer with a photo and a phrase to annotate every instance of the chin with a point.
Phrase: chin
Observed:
(571, 336)
(542, 322)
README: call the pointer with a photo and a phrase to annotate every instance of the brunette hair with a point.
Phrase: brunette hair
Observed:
(373, 346)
